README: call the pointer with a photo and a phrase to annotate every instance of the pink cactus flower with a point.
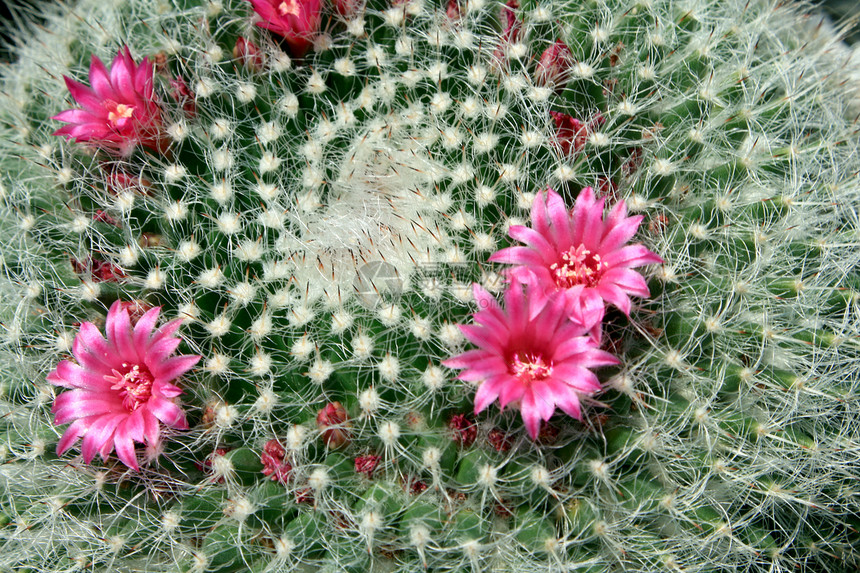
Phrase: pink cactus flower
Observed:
(297, 21)
(530, 353)
(581, 255)
(554, 66)
(120, 388)
(119, 110)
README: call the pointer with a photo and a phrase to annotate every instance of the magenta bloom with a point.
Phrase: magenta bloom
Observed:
(530, 353)
(580, 254)
(120, 387)
(119, 110)
(297, 21)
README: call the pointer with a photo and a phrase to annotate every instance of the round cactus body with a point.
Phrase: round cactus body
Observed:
(326, 202)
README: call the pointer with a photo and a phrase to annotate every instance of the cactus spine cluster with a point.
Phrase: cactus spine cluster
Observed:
(318, 221)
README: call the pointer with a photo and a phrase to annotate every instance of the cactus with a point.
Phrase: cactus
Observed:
(317, 209)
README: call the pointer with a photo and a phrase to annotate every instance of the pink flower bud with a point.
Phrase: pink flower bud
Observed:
(102, 217)
(553, 69)
(136, 309)
(119, 181)
(453, 10)
(571, 134)
(510, 35)
(347, 8)
(248, 54)
(366, 464)
(274, 465)
(464, 430)
(182, 94)
(500, 441)
(333, 422)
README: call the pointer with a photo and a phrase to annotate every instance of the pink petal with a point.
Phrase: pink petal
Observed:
(511, 391)
(582, 212)
(144, 327)
(125, 447)
(631, 256)
(541, 244)
(73, 432)
(150, 426)
(487, 393)
(565, 398)
(167, 390)
(92, 351)
(166, 411)
(70, 375)
(531, 415)
(619, 233)
(122, 77)
(158, 352)
(100, 432)
(518, 256)
(77, 116)
(577, 377)
(173, 368)
(487, 338)
(100, 81)
(119, 333)
(84, 95)
(143, 82)
(543, 399)
(166, 330)
(612, 294)
(627, 280)
(484, 369)
(466, 359)
(558, 215)
(75, 404)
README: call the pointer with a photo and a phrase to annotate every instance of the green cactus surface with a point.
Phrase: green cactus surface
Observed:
(318, 222)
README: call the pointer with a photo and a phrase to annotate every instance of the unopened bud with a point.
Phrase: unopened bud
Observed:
(553, 69)
(248, 54)
(333, 422)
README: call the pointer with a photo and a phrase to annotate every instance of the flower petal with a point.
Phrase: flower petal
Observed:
(100, 432)
(125, 446)
(173, 368)
(100, 80)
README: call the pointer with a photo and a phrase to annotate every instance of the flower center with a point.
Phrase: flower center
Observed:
(529, 367)
(289, 7)
(118, 111)
(135, 386)
(580, 267)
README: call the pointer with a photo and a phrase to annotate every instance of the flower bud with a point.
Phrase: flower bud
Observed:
(366, 464)
(248, 54)
(453, 10)
(333, 422)
(553, 69)
(183, 94)
(347, 8)
(464, 430)
(274, 464)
